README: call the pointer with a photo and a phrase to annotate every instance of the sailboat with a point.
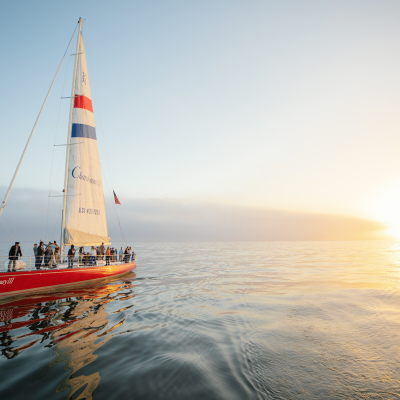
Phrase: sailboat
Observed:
(84, 220)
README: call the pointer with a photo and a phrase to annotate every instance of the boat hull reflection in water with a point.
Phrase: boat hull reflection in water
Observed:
(73, 323)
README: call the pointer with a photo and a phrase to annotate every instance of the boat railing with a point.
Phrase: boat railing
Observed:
(30, 263)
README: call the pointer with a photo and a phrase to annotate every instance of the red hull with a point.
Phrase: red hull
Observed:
(13, 283)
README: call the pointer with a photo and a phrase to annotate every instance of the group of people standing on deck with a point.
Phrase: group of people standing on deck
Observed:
(109, 254)
(49, 256)
(95, 254)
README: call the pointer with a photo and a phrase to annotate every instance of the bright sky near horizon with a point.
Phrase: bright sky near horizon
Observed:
(287, 105)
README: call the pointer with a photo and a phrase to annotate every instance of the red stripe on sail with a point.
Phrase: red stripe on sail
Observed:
(83, 102)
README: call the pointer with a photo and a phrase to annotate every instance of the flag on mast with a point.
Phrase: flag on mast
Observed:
(116, 199)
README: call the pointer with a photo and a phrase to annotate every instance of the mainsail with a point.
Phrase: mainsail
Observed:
(85, 213)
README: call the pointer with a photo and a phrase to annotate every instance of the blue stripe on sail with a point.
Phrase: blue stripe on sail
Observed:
(85, 131)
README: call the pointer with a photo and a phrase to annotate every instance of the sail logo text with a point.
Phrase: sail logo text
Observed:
(83, 210)
(7, 282)
(84, 177)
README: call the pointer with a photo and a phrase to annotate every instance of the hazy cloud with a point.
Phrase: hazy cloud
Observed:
(174, 220)
(156, 219)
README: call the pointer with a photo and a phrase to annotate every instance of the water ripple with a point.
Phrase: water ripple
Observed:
(276, 320)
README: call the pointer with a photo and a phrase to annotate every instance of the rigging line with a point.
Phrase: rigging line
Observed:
(55, 177)
(105, 146)
(48, 198)
(55, 225)
(62, 91)
(34, 127)
(61, 124)
(50, 184)
(122, 233)
(7, 229)
(61, 160)
(113, 229)
(60, 102)
(12, 223)
(114, 205)
(55, 138)
(116, 213)
(120, 228)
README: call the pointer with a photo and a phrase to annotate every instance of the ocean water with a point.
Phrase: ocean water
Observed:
(272, 320)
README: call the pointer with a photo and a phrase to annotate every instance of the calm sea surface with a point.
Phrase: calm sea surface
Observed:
(273, 320)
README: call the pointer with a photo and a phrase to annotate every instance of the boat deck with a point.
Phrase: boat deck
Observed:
(25, 264)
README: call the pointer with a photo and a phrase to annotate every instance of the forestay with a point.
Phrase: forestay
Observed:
(85, 213)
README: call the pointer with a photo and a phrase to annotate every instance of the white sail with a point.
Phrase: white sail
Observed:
(85, 213)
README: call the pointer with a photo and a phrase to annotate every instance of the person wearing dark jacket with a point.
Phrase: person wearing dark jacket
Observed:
(126, 255)
(13, 254)
(47, 256)
(56, 257)
(39, 255)
(102, 250)
(71, 255)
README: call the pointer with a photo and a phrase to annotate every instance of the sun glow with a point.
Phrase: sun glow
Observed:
(385, 207)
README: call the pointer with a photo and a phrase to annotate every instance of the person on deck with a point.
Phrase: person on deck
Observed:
(35, 251)
(102, 250)
(39, 256)
(57, 252)
(112, 254)
(80, 255)
(50, 256)
(47, 255)
(94, 255)
(121, 252)
(126, 255)
(13, 254)
(71, 255)
(108, 254)
(56, 257)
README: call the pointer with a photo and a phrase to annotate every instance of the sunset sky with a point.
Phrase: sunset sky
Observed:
(234, 105)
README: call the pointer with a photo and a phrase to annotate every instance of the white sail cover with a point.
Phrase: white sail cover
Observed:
(85, 214)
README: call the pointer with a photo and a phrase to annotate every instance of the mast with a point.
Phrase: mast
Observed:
(69, 140)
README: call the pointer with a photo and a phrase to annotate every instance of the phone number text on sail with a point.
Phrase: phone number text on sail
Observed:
(83, 210)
